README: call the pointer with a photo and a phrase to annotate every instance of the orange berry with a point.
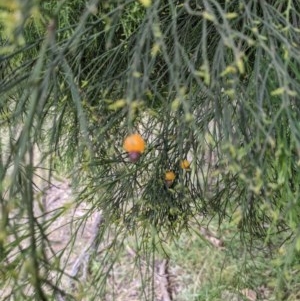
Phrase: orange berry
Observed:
(134, 143)
(185, 164)
(170, 176)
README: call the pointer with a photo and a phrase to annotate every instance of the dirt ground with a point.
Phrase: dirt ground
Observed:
(124, 279)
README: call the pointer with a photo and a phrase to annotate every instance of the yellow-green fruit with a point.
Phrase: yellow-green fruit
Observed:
(185, 164)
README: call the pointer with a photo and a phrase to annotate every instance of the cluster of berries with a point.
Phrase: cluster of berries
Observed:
(135, 145)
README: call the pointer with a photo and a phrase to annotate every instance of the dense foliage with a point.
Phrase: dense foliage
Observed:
(214, 82)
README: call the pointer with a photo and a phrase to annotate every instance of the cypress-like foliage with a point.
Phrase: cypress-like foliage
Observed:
(215, 83)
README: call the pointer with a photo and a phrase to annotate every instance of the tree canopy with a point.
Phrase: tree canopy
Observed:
(215, 83)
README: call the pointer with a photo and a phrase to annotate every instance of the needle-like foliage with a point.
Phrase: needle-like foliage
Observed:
(214, 82)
